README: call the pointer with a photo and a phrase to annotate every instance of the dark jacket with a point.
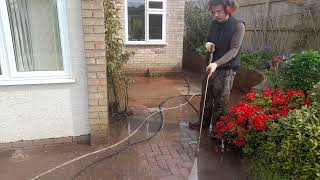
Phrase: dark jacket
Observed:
(221, 35)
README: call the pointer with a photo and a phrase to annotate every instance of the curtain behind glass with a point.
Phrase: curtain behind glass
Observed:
(35, 34)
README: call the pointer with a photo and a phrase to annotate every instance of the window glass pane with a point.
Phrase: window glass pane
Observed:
(155, 26)
(136, 20)
(35, 35)
(156, 5)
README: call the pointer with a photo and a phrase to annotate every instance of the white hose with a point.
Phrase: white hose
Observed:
(114, 145)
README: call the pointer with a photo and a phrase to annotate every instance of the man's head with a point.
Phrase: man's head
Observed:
(222, 9)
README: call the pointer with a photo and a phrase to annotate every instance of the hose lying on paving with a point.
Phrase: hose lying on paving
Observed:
(160, 111)
(122, 141)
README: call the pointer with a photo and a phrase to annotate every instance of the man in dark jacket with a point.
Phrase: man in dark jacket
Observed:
(224, 40)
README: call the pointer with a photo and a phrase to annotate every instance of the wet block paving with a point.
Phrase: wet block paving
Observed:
(168, 155)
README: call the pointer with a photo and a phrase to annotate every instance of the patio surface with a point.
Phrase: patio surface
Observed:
(168, 155)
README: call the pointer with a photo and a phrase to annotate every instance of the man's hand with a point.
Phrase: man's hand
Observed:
(210, 47)
(211, 68)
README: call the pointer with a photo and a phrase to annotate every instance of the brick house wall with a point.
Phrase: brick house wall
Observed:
(159, 58)
(94, 44)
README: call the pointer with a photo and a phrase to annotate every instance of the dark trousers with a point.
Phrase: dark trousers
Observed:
(219, 87)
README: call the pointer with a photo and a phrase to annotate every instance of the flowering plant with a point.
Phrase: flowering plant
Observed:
(296, 71)
(245, 123)
(277, 59)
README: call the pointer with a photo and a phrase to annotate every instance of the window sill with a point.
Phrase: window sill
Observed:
(35, 82)
(146, 43)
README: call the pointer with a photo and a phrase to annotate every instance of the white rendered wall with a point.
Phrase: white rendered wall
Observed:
(29, 112)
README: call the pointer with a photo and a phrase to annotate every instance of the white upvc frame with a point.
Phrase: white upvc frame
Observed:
(8, 62)
(156, 41)
(3, 53)
(148, 11)
(156, 9)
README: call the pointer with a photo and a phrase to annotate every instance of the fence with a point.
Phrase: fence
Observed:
(282, 25)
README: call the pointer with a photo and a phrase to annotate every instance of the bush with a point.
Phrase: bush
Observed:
(315, 94)
(292, 147)
(197, 19)
(200, 51)
(258, 171)
(299, 71)
(256, 60)
(245, 123)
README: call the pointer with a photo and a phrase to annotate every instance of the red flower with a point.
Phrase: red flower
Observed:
(240, 141)
(267, 93)
(258, 121)
(239, 132)
(277, 59)
(220, 129)
(307, 102)
(273, 109)
(248, 119)
(241, 118)
(251, 96)
(223, 119)
(292, 93)
(230, 126)
(283, 112)
(274, 116)
(279, 99)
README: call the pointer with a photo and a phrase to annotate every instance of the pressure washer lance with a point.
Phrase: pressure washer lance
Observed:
(202, 114)
(203, 106)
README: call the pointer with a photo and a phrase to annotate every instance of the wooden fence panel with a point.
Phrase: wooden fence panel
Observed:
(278, 24)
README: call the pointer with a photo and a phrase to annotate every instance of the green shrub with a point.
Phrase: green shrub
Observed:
(292, 147)
(300, 71)
(256, 60)
(259, 171)
(275, 79)
(202, 50)
(197, 19)
(244, 125)
(315, 94)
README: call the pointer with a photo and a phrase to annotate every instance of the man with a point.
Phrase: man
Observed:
(224, 40)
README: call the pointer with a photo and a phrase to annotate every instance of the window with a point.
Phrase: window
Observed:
(145, 22)
(33, 40)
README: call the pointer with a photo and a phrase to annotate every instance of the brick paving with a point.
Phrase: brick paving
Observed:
(171, 153)
(171, 159)
(167, 156)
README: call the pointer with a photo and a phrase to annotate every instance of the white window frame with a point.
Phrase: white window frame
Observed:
(148, 11)
(8, 62)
